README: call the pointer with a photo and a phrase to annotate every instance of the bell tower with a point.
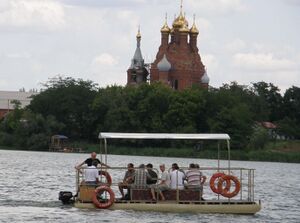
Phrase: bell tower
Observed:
(137, 72)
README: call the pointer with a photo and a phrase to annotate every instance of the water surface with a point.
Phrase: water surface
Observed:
(30, 182)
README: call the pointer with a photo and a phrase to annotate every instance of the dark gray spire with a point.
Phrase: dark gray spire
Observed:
(137, 60)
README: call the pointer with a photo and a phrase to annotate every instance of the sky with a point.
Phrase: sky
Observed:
(246, 41)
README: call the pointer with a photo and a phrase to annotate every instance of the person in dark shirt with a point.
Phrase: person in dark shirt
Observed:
(127, 181)
(152, 174)
(89, 161)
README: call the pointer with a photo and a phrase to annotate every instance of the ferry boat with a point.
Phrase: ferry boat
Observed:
(228, 189)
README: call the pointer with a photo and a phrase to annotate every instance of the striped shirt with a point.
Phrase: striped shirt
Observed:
(193, 177)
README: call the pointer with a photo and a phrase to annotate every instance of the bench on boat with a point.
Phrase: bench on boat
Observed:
(183, 195)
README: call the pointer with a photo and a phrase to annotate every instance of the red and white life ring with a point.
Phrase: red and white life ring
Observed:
(107, 177)
(212, 183)
(103, 203)
(226, 192)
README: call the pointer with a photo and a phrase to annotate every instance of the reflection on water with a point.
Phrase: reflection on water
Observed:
(30, 182)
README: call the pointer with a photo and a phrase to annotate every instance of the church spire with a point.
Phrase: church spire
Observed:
(165, 28)
(137, 60)
(194, 29)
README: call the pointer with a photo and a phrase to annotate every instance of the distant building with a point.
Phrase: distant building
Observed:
(8, 97)
(137, 72)
(178, 63)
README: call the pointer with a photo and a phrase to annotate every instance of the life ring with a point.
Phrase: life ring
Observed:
(212, 183)
(225, 192)
(107, 177)
(103, 203)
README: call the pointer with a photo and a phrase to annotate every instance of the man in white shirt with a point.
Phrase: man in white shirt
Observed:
(177, 177)
(163, 185)
(91, 174)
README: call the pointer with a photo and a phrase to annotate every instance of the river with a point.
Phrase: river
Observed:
(30, 182)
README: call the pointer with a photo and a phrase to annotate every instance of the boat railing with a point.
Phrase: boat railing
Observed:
(245, 177)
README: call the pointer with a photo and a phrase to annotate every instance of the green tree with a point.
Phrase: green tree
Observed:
(69, 101)
(270, 101)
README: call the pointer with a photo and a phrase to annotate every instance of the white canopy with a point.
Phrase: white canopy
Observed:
(119, 135)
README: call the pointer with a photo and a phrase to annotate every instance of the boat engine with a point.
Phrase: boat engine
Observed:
(66, 197)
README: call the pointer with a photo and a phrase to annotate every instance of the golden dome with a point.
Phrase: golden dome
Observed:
(184, 29)
(180, 21)
(165, 28)
(194, 29)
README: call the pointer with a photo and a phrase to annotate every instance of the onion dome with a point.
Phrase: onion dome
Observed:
(184, 29)
(205, 78)
(165, 28)
(164, 65)
(180, 21)
(194, 29)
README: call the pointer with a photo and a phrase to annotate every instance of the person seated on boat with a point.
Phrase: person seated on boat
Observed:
(91, 174)
(177, 177)
(163, 185)
(152, 173)
(203, 178)
(140, 178)
(127, 180)
(90, 160)
(193, 176)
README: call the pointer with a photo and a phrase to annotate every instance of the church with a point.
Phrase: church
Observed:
(178, 63)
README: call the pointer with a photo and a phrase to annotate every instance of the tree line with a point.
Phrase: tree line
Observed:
(80, 109)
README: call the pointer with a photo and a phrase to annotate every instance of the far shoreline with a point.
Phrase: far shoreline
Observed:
(236, 155)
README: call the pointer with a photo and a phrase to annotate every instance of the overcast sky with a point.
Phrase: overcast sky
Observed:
(240, 40)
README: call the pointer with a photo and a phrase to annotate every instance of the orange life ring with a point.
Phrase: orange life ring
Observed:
(225, 191)
(212, 183)
(103, 204)
(107, 177)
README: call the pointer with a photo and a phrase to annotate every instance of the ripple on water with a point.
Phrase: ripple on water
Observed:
(29, 192)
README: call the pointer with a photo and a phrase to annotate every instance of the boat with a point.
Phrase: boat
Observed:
(229, 190)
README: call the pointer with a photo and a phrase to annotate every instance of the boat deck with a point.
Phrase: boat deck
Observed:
(211, 206)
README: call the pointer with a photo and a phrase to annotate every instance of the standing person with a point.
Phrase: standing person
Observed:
(177, 177)
(163, 185)
(152, 173)
(91, 174)
(127, 180)
(90, 160)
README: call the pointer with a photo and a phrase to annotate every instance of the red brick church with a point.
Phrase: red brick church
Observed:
(178, 63)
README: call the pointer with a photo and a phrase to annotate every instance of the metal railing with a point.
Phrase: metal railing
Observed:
(244, 175)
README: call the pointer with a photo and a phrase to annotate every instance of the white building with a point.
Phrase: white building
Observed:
(7, 98)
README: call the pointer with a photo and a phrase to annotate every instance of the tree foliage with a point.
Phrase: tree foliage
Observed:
(80, 110)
